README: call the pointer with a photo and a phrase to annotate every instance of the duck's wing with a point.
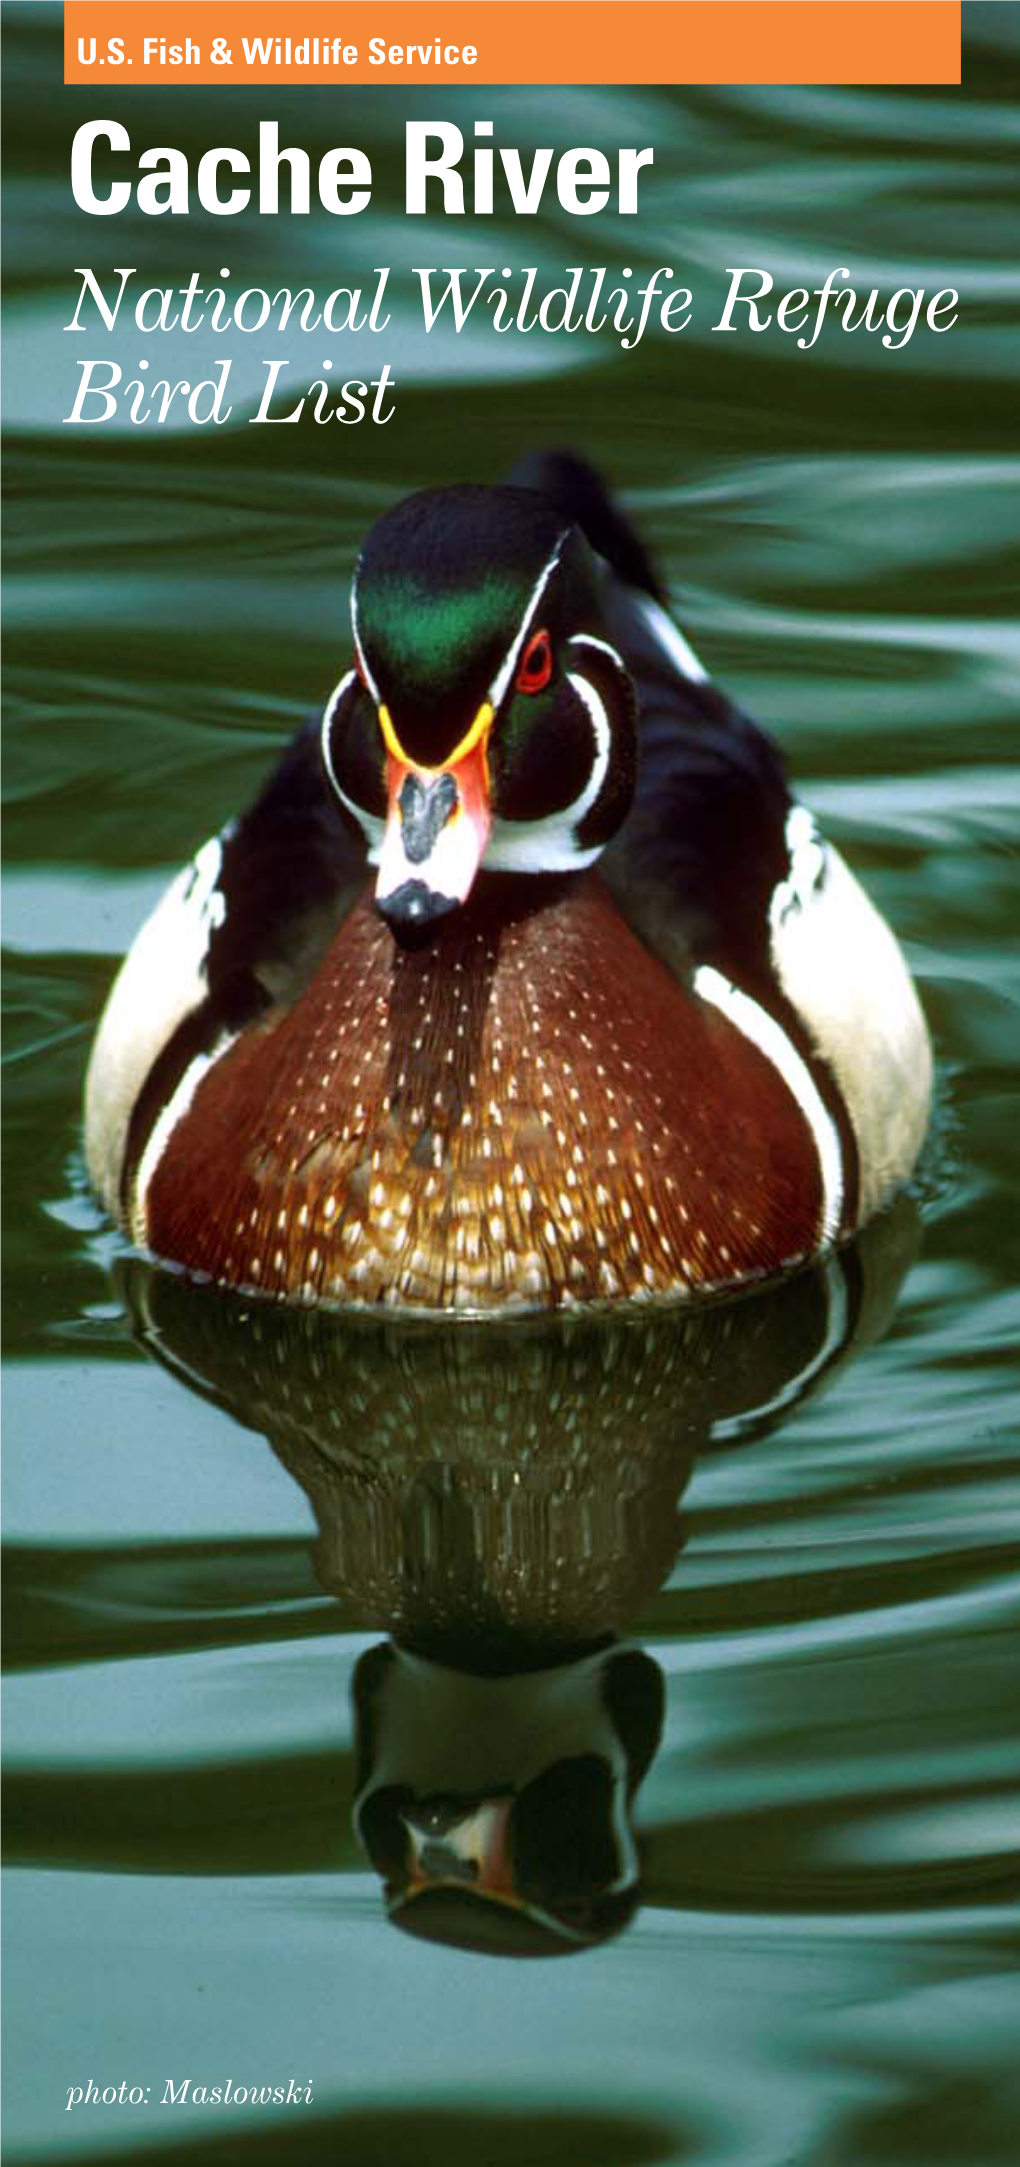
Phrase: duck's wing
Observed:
(238, 933)
(289, 870)
(706, 843)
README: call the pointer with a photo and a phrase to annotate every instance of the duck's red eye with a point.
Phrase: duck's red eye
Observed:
(359, 669)
(535, 667)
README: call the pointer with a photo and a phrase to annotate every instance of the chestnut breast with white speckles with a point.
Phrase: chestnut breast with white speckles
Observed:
(530, 1112)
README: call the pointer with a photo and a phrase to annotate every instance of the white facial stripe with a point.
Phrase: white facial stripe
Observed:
(672, 641)
(358, 648)
(333, 702)
(509, 664)
(549, 845)
(764, 1032)
(173, 1112)
(588, 639)
(600, 725)
(372, 826)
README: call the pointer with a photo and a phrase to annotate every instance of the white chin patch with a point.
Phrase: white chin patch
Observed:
(449, 869)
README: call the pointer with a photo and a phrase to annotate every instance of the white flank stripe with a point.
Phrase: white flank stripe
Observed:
(373, 829)
(771, 1040)
(173, 1112)
(671, 640)
(162, 980)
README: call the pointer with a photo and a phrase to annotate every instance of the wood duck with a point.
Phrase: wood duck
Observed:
(524, 983)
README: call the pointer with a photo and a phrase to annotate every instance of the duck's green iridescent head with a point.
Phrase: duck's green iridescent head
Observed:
(487, 721)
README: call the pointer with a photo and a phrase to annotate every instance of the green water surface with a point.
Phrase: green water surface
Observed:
(821, 1968)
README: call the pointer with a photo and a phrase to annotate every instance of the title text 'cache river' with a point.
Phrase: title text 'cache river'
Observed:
(585, 180)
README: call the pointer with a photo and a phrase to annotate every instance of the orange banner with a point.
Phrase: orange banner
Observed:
(115, 44)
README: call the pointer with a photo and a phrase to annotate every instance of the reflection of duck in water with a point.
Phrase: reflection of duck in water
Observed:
(504, 1500)
(513, 1488)
(496, 1810)
(487, 1076)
